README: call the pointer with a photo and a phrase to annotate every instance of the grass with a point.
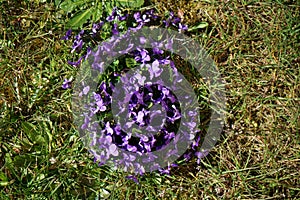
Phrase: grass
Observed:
(256, 48)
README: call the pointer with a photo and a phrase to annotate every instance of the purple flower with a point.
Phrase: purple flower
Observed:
(99, 102)
(108, 129)
(97, 27)
(85, 90)
(112, 150)
(111, 17)
(67, 83)
(143, 56)
(133, 178)
(143, 40)
(115, 29)
(141, 19)
(155, 70)
(122, 18)
(77, 45)
(76, 63)
(68, 35)
(86, 122)
(151, 14)
(182, 27)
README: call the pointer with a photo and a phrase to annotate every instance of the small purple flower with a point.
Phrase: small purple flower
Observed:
(76, 63)
(68, 35)
(141, 19)
(77, 45)
(97, 27)
(151, 14)
(143, 40)
(84, 91)
(182, 27)
(67, 83)
(111, 17)
(143, 56)
(99, 102)
(86, 122)
(108, 129)
(133, 178)
(115, 29)
(155, 70)
(122, 18)
(112, 150)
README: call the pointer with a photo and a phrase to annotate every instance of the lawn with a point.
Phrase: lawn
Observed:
(256, 47)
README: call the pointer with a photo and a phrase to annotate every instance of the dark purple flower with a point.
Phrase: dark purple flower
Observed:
(76, 63)
(187, 156)
(157, 51)
(195, 143)
(175, 21)
(182, 27)
(122, 18)
(141, 19)
(111, 17)
(67, 83)
(97, 27)
(164, 61)
(68, 35)
(151, 14)
(77, 45)
(133, 178)
(115, 29)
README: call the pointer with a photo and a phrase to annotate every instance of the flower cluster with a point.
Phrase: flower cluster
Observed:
(153, 110)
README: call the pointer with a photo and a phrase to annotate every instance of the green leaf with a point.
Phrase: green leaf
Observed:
(201, 25)
(130, 3)
(33, 133)
(57, 2)
(97, 13)
(70, 5)
(78, 20)
(3, 177)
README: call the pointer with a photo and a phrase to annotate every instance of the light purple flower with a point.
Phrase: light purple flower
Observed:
(113, 150)
(86, 122)
(84, 91)
(143, 56)
(155, 70)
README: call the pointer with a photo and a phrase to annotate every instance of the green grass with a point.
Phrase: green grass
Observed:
(256, 48)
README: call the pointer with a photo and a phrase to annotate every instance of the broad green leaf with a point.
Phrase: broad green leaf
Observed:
(33, 133)
(201, 25)
(70, 5)
(130, 3)
(78, 20)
